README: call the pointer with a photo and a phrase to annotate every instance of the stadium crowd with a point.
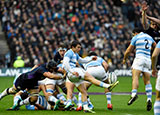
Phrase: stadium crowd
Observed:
(35, 28)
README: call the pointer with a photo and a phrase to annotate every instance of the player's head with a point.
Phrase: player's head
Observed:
(51, 66)
(153, 25)
(62, 50)
(76, 46)
(91, 53)
(137, 31)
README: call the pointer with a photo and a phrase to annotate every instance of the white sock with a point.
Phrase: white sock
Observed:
(75, 99)
(134, 92)
(148, 89)
(24, 102)
(102, 84)
(79, 99)
(157, 108)
(108, 96)
(85, 105)
(16, 98)
(52, 99)
(61, 97)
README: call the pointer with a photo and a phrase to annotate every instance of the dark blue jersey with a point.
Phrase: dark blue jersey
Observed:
(37, 73)
(30, 79)
(155, 34)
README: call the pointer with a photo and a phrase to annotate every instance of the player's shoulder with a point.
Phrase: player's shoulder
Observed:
(69, 52)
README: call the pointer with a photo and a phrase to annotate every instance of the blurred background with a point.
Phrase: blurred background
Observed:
(33, 29)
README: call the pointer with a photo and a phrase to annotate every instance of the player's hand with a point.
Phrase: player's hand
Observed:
(76, 74)
(94, 58)
(144, 6)
(77, 64)
(64, 74)
(124, 61)
(154, 72)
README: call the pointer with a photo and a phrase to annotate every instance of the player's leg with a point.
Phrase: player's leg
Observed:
(83, 91)
(108, 96)
(29, 100)
(135, 84)
(96, 82)
(11, 90)
(148, 88)
(8, 91)
(70, 87)
(80, 104)
(157, 101)
(50, 89)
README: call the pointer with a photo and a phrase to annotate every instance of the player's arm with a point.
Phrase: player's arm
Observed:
(145, 23)
(127, 52)
(68, 67)
(35, 66)
(53, 76)
(154, 19)
(154, 61)
(153, 46)
(87, 59)
(43, 89)
(105, 65)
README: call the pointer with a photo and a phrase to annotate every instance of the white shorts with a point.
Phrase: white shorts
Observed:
(142, 64)
(54, 82)
(77, 81)
(97, 72)
(42, 82)
(158, 82)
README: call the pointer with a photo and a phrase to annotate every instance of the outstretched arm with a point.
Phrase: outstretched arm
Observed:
(53, 76)
(127, 52)
(145, 23)
(154, 19)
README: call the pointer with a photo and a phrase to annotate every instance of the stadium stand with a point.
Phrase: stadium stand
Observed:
(35, 28)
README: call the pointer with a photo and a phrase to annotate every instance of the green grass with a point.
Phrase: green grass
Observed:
(119, 102)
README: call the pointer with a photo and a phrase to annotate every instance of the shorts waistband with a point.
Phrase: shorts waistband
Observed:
(93, 66)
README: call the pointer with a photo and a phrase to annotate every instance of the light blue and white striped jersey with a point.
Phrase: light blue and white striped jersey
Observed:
(143, 43)
(41, 101)
(97, 62)
(158, 45)
(73, 58)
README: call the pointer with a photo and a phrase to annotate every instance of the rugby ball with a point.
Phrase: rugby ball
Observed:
(112, 77)
(73, 78)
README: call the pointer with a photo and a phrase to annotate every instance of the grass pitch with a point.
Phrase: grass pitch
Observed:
(119, 102)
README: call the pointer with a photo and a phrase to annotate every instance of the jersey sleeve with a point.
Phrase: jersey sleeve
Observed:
(68, 54)
(158, 45)
(133, 41)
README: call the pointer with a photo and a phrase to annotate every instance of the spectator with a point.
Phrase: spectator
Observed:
(18, 63)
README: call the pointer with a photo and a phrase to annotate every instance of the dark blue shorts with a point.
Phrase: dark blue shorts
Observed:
(22, 83)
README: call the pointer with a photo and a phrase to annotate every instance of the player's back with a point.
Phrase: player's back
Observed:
(143, 43)
(37, 73)
(97, 62)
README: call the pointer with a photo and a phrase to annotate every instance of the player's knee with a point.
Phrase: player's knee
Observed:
(11, 90)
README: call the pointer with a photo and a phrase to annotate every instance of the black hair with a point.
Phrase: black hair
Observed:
(92, 54)
(51, 64)
(137, 30)
(62, 46)
(75, 43)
